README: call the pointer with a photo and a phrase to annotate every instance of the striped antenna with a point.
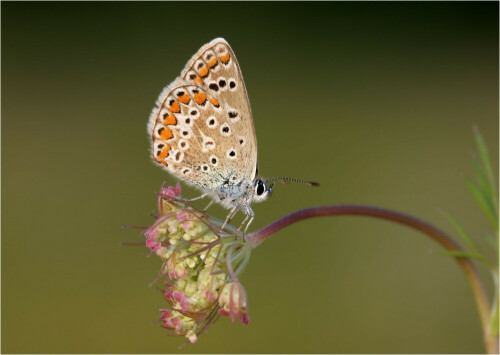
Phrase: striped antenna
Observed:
(286, 180)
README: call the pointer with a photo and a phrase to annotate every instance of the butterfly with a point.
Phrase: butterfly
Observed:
(202, 132)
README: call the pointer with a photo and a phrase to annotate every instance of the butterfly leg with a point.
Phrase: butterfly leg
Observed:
(242, 223)
(196, 198)
(249, 214)
(230, 215)
(209, 204)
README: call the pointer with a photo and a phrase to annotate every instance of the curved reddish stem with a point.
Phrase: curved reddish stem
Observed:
(437, 235)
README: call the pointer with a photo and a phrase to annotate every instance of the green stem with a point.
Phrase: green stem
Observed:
(475, 281)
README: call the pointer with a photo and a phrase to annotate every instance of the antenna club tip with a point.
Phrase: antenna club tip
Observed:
(314, 183)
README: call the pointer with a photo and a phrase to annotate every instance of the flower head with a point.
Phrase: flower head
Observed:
(200, 264)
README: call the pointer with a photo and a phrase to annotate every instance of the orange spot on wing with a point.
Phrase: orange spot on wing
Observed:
(203, 72)
(184, 98)
(175, 107)
(214, 102)
(165, 134)
(212, 62)
(169, 120)
(198, 81)
(200, 98)
(225, 58)
(163, 154)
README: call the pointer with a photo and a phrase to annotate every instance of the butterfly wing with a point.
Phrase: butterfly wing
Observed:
(202, 128)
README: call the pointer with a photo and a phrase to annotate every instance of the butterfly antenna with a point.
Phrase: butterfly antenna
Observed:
(286, 180)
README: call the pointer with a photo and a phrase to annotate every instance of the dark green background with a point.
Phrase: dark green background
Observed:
(375, 100)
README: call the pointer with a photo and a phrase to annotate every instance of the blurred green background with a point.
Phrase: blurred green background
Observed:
(375, 100)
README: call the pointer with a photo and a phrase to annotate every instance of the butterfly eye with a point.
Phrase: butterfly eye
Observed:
(260, 188)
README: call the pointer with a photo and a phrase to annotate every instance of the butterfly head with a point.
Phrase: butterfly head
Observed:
(261, 191)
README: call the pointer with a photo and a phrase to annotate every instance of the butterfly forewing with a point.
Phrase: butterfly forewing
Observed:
(202, 128)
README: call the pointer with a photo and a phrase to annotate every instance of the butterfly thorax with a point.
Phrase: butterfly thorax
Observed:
(241, 194)
(231, 194)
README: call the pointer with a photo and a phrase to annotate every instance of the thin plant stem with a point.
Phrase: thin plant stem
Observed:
(472, 274)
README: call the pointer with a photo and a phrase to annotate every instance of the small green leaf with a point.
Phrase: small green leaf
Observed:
(481, 178)
(485, 160)
(485, 205)
(461, 231)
